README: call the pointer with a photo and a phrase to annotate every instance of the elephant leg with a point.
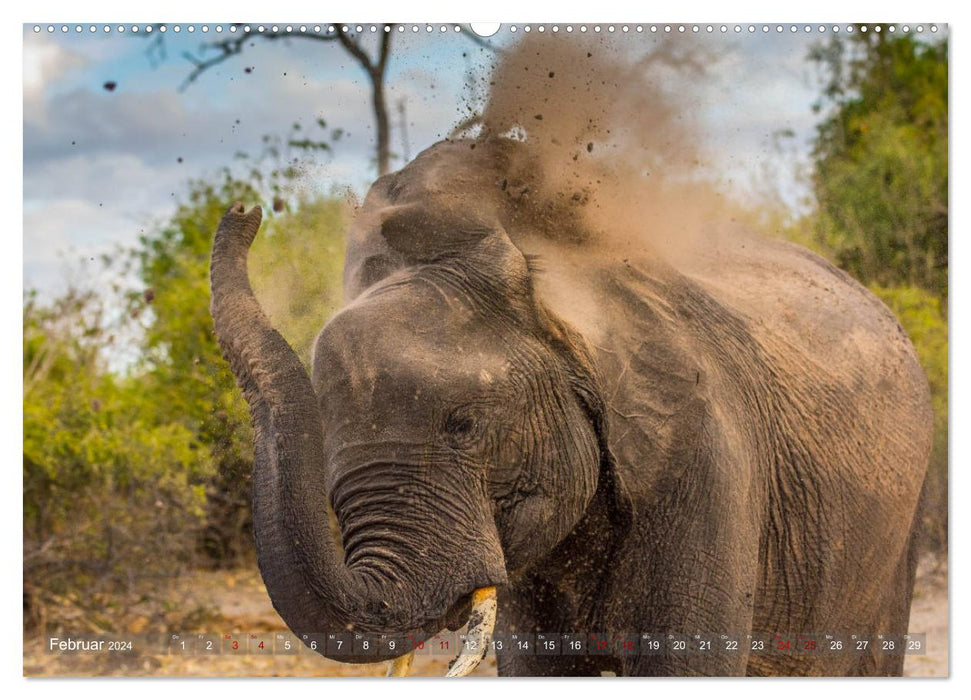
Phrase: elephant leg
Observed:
(691, 566)
(897, 617)
(904, 594)
(537, 606)
(717, 664)
(549, 666)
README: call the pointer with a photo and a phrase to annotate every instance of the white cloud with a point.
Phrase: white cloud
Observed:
(59, 234)
(123, 183)
(45, 61)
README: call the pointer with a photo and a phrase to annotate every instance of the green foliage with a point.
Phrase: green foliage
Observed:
(881, 163)
(182, 365)
(112, 495)
(132, 475)
(296, 266)
(277, 165)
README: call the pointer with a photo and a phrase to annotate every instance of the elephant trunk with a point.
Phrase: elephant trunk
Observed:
(301, 564)
(311, 586)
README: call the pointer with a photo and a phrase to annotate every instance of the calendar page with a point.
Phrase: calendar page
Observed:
(525, 349)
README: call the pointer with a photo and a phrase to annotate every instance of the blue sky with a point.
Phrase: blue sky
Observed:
(101, 166)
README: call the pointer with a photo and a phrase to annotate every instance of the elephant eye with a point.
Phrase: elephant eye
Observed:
(459, 425)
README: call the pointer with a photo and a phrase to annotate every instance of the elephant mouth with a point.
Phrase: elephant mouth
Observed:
(459, 613)
(479, 609)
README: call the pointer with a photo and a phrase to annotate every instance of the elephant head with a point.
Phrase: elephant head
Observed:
(455, 427)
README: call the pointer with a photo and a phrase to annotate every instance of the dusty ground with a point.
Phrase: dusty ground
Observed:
(239, 604)
(929, 614)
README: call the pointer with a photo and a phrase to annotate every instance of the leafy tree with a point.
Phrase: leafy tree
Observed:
(182, 364)
(129, 475)
(881, 164)
(296, 266)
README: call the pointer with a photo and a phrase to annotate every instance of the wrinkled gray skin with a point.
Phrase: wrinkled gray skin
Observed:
(732, 445)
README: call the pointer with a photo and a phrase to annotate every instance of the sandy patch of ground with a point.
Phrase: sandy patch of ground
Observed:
(240, 605)
(929, 614)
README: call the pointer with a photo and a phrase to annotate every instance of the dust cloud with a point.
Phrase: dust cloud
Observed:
(602, 155)
(612, 150)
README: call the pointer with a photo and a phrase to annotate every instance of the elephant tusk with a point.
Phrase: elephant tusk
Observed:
(482, 621)
(401, 666)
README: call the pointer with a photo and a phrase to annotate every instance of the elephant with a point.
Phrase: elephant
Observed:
(529, 430)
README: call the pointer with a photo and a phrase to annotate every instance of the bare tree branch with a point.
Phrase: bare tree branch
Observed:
(384, 50)
(231, 47)
(375, 68)
(228, 50)
(356, 51)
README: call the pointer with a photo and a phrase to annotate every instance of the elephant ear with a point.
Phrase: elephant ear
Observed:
(391, 237)
(512, 273)
(587, 386)
(422, 233)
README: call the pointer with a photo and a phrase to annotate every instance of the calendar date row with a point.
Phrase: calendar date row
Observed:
(337, 644)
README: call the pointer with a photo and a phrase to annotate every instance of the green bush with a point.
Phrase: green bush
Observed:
(296, 266)
(112, 495)
(133, 474)
(881, 162)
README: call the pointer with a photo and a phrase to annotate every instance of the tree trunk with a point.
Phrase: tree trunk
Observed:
(381, 121)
